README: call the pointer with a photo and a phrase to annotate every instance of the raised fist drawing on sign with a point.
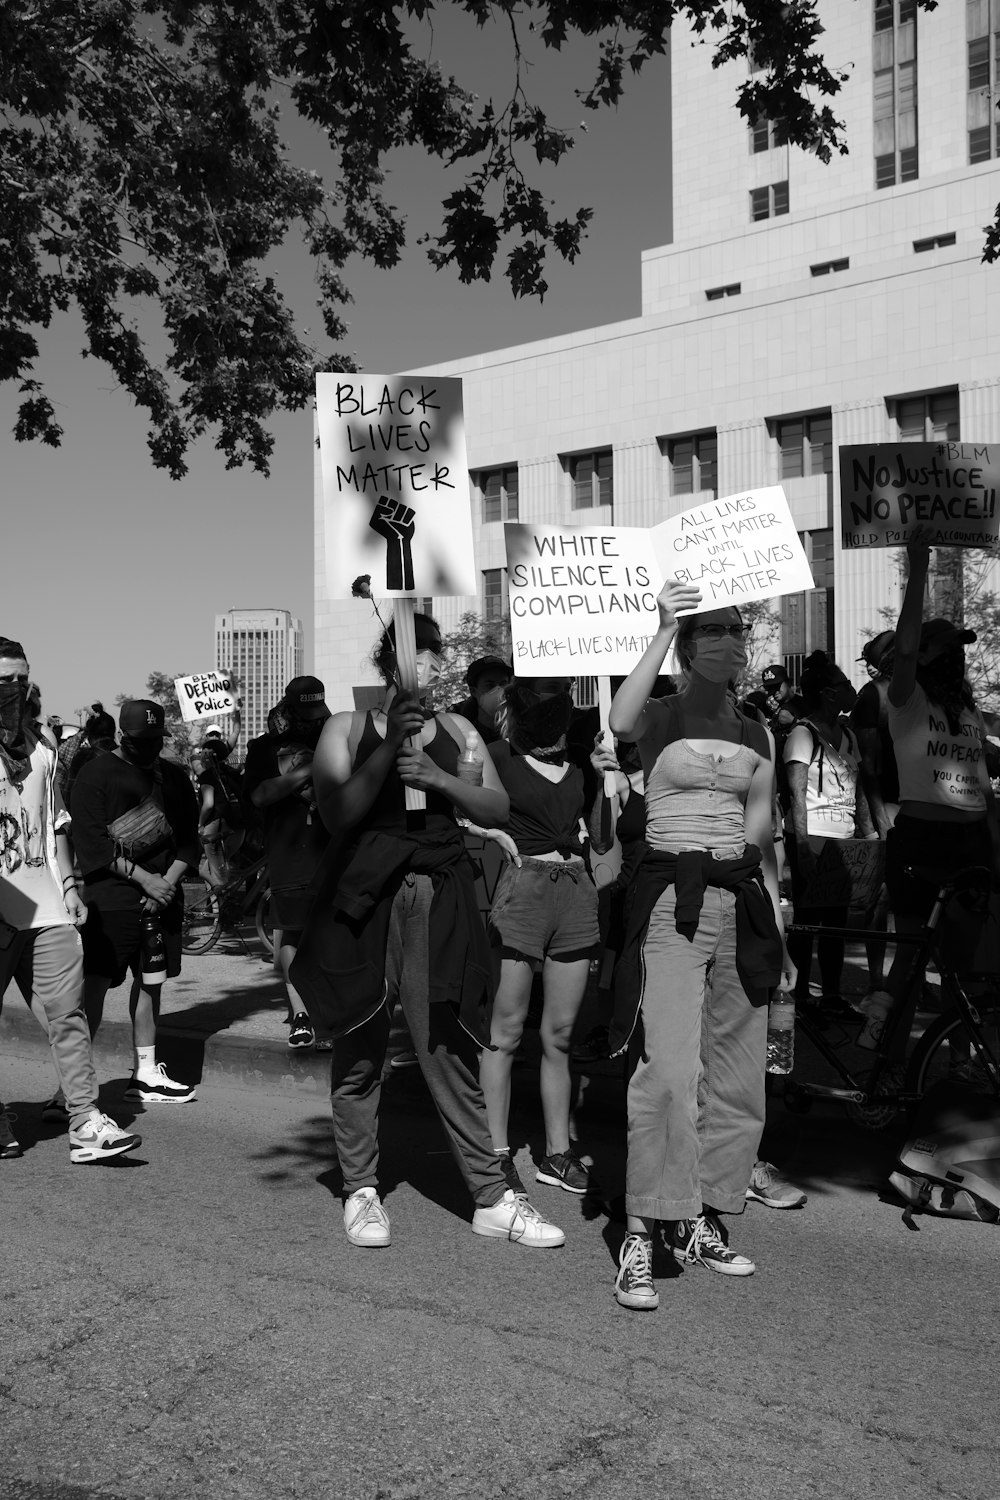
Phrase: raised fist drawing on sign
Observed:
(394, 520)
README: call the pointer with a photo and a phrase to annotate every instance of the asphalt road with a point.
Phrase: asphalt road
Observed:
(192, 1322)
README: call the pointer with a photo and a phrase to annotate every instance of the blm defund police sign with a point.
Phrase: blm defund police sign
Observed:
(944, 493)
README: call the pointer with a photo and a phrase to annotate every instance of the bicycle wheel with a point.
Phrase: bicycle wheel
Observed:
(263, 920)
(947, 1051)
(202, 920)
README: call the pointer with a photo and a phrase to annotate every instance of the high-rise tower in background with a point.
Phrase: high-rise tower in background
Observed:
(263, 647)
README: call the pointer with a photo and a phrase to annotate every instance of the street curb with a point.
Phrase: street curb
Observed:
(198, 1057)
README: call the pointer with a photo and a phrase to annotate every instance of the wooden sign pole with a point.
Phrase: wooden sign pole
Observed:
(604, 708)
(406, 673)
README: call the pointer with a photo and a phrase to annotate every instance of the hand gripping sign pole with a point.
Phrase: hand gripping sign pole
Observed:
(604, 709)
(406, 675)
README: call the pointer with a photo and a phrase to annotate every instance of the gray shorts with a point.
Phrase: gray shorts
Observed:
(546, 910)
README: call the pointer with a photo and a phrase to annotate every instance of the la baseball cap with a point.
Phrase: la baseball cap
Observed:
(142, 719)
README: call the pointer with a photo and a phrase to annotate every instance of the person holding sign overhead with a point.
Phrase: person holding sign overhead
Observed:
(703, 950)
(396, 918)
(947, 813)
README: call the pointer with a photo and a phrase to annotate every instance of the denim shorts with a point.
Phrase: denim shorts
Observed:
(546, 910)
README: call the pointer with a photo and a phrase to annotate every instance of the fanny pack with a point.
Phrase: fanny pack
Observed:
(143, 830)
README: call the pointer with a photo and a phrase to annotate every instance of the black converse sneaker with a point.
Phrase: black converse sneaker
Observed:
(701, 1242)
(634, 1283)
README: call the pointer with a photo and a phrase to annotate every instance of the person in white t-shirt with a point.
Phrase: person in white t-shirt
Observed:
(947, 813)
(41, 913)
(822, 761)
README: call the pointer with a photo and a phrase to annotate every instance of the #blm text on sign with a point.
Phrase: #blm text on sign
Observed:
(395, 484)
(206, 695)
(945, 491)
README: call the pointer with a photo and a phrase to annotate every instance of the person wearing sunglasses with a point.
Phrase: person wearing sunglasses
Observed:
(703, 950)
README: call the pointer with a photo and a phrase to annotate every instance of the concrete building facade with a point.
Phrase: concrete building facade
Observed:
(264, 648)
(802, 306)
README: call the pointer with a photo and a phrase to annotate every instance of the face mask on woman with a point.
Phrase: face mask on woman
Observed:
(718, 661)
(429, 664)
(536, 722)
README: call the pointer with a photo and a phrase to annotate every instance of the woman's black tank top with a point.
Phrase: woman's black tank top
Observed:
(387, 813)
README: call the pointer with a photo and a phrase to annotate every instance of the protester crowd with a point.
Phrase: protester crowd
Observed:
(723, 807)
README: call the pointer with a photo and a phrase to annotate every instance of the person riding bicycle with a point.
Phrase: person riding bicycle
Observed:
(947, 813)
(221, 821)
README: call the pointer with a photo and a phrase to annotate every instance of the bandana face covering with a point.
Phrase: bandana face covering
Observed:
(718, 661)
(13, 745)
(429, 665)
(539, 725)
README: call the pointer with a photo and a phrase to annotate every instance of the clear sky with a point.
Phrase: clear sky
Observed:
(114, 570)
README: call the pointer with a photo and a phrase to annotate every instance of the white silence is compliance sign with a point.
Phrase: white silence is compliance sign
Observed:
(583, 598)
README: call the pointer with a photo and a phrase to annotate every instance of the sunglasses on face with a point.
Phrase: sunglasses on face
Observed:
(719, 632)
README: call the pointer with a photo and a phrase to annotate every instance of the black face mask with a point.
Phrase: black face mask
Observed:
(303, 732)
(13, 745)
(141, 753)
(537, 723)
(13, 702)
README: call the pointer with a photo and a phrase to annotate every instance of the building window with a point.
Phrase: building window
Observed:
(983, 46)
(807, 618)
(694, 463)
(494, 595)
(933, 242)
(825, 267)
(766, 134)
(931, 418)
(593, 478)
(498, 488)
(806, 445)
(769, 202)
(894, 65)
(424, 605)
(716, 293)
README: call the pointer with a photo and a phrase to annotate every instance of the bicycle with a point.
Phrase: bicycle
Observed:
(209, 910)
(962, 1043)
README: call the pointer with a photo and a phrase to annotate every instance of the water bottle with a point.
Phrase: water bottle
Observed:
(470, 762)
(877, 1007)
(781, 1033)
(152, 953)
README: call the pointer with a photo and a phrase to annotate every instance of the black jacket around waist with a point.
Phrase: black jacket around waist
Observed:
(339, 968)
(759, 946)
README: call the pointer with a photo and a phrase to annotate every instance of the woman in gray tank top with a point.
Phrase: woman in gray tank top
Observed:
(705, 946)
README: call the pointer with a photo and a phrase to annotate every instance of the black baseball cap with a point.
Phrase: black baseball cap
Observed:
(774, 676)
(142, 719)
(482, 664)
(873, 651)
(306, 698)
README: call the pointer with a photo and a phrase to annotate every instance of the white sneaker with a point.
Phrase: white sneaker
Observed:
(99, 1138)
(365, 1220)
(513, 1218)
